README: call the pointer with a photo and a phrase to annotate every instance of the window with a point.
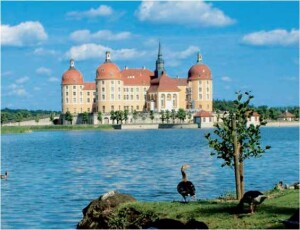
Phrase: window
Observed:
(112, 108)
(74, 93)
(88, 93)
(103, 97)
(137, 107)
(207, 89)
(119, 89)
(103, 89)
(200, 96)
(112, 89)
(131, 97)
(112, 97)
(119, 97)
(137, 97)
(74, 100)
(67, 100)
(207, 96)
(103, 109)
(81, 100)
(88, 109)
(137, 89)
(200, 89)
(88, 100)
(112, 82)
(74, 86)
(67, 87)
(80, 93)
(119, 82)
(102, 82)
(131, 90)
(67, 93)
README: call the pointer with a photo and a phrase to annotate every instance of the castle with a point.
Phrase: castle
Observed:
(138, 89)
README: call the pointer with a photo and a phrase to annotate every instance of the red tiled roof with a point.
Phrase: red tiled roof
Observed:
(108, 71)
(136, 76)
(164, 84)
(203, 113)
(199, 72)
(181, 81)
(89, 86)
(72, 77)
(254, 114)
(287, 114)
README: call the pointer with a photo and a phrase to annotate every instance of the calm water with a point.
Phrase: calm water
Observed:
(54, 175)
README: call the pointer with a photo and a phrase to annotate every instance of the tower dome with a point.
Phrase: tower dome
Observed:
(72, 76)
(108, 70)
(199, 71)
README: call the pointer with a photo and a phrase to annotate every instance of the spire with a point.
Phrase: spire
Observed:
(160, 67)
(199, 57)
(72, 64)
(107, 58)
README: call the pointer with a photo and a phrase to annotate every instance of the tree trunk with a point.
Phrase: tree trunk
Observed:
(236, 161)
(242, 186)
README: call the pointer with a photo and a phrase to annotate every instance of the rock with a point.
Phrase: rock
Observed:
(96, 214)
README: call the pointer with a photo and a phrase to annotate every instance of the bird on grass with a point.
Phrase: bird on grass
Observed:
(186, 188)
(4, 176)
(252, 198)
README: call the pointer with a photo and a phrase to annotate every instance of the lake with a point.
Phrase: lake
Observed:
(54, 175)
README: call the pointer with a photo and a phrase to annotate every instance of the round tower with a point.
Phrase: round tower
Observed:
(109, 86)
(71, 89)
(200, 86)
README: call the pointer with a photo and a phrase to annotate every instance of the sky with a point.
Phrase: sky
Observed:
(248, 46)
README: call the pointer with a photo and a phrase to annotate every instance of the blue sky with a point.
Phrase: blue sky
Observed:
(247, 45)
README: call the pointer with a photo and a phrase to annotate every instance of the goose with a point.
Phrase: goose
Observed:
(253, 198)
(185, 187)
(4, 176)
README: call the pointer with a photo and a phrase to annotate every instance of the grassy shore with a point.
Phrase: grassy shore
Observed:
(27, 129)
(217, 214)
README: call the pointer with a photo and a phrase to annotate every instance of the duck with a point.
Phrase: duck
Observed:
(253, 198)
(4, 176)
(186, 188)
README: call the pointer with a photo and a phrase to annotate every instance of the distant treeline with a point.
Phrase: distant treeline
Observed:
(18, 115)
(272, 113)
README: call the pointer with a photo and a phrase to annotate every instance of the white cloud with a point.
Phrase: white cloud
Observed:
(91, 50)
(25, 33)
(43, 71)
(227, 79)
(22, 80)
(273, 37)
(102, 10)
(191, 13)
(17, 90)
(44, 52)
(87, 36)
(53, 79)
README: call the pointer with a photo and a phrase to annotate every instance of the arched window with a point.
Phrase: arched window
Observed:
(169, 98)
(174, 100)
(162, 101)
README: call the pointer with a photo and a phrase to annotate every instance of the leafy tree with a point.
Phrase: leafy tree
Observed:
(168, 115)
(181, 114)
(37, 118)
(85, 117)
(189, 115)
(236, 141)
(151, 115)
(69, 117)
(19, 117)
(119, 116)
(113, 116)
(162, 116)
(4, 117)
(173, 115)
(99, 117)
(51, 117)
(135, 115)
(126, 115)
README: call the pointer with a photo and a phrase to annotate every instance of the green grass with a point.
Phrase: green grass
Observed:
(215, 213)
(24, 129)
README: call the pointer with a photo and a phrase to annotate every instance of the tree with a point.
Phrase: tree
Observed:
(119, 116)
(236, 141)
(162, 116)
(151, 115)
(113, 116)
(4, 118)
(99, 117)
(181, 114)
(134, 115)
(51, 117)
(69, 117)
(189, 115)
(126, 115)
(19, 117)
(37, 118)
(85, 117)
(168, 115)
(173, 115)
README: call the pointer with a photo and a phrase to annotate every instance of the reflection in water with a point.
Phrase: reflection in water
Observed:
(54, 175)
